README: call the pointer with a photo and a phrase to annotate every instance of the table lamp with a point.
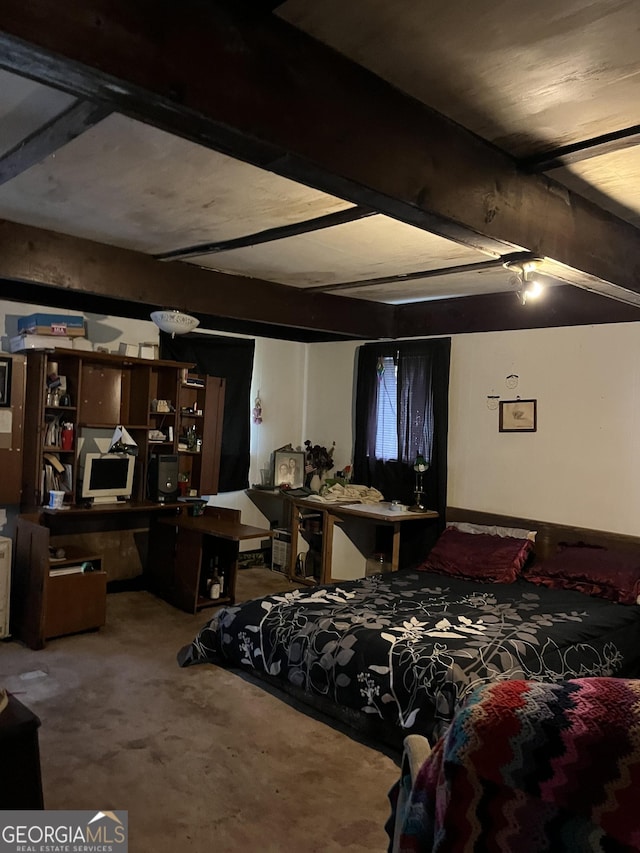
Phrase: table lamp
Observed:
(419, 466)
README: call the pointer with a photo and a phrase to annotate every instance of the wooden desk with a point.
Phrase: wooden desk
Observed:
(183, 549)
(346, 535)
(383, 514)
(45, 605)
(117, 531)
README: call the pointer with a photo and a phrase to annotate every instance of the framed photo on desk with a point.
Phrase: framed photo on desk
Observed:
(288, 468)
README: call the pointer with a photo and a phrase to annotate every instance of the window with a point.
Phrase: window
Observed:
(401, 412)
(387, 410)
(404, 408)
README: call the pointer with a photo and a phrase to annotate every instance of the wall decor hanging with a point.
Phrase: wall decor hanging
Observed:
(518, 415)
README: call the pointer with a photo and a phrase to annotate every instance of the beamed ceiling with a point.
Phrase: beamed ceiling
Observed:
(323, 170)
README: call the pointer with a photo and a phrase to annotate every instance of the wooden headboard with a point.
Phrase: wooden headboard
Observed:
(549, 534)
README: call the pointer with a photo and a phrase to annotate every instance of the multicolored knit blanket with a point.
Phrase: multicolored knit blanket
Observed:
(526, 767)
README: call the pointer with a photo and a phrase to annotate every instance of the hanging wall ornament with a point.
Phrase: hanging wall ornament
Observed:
(257, 410)
(493, 401)
(512, 380)
(380, 368)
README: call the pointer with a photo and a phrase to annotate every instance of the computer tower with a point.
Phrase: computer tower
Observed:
(280, 549)
(162, 479)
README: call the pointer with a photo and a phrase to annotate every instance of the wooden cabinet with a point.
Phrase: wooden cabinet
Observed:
(50, 597)
(42, 429)
(101, 391)
(78, 601)
(200, 412)
(186, 551)
(11, 432)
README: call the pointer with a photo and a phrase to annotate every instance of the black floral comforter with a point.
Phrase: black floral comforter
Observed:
(408, 647)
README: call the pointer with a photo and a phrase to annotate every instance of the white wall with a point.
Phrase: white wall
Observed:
(581, 467)
(279, 369)
(279, 376)
(330, 393)
(101, 329)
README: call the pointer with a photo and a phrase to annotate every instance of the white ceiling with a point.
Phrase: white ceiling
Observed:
(131, 185)
(526, 77)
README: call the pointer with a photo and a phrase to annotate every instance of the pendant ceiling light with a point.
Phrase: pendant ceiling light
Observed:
(174, 322)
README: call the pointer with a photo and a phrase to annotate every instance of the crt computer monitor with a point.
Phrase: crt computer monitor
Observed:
(107, 477)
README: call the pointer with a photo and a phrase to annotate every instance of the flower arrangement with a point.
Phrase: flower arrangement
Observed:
(318, 459)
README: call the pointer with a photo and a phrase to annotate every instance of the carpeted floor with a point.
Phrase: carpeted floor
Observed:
(202, 759)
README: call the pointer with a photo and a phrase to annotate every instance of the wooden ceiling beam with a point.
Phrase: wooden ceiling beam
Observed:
(46, 140)
(256, 88)
(91, 276)
(281, 232)
(458, 269)
(88, 269)
(617, 140)
(562, 305)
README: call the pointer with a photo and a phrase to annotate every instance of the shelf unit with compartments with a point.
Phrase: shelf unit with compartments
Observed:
(101, 391)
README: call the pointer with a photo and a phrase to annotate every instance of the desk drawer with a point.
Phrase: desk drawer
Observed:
(75, 603)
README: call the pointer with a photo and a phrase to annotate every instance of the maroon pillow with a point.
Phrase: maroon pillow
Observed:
(477, 556)
(596, 571)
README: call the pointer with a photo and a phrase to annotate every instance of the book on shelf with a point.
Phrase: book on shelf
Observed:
(66, 570)
(52, 431)
(54, 460)
(55, 475)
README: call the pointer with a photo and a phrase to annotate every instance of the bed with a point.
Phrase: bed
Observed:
(398, 653)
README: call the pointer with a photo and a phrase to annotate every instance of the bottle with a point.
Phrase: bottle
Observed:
(214, 588)
(191, 438)
(214, 585)
(378, 562)
(66, 436)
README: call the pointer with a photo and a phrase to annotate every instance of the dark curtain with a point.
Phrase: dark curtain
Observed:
(423, 409)
(231, 359)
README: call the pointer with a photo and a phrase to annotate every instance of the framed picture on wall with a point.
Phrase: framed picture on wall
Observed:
(518, 416)
(5, 382)
(288, 468)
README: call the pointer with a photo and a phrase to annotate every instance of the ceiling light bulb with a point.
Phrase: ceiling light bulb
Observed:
(534, 290)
